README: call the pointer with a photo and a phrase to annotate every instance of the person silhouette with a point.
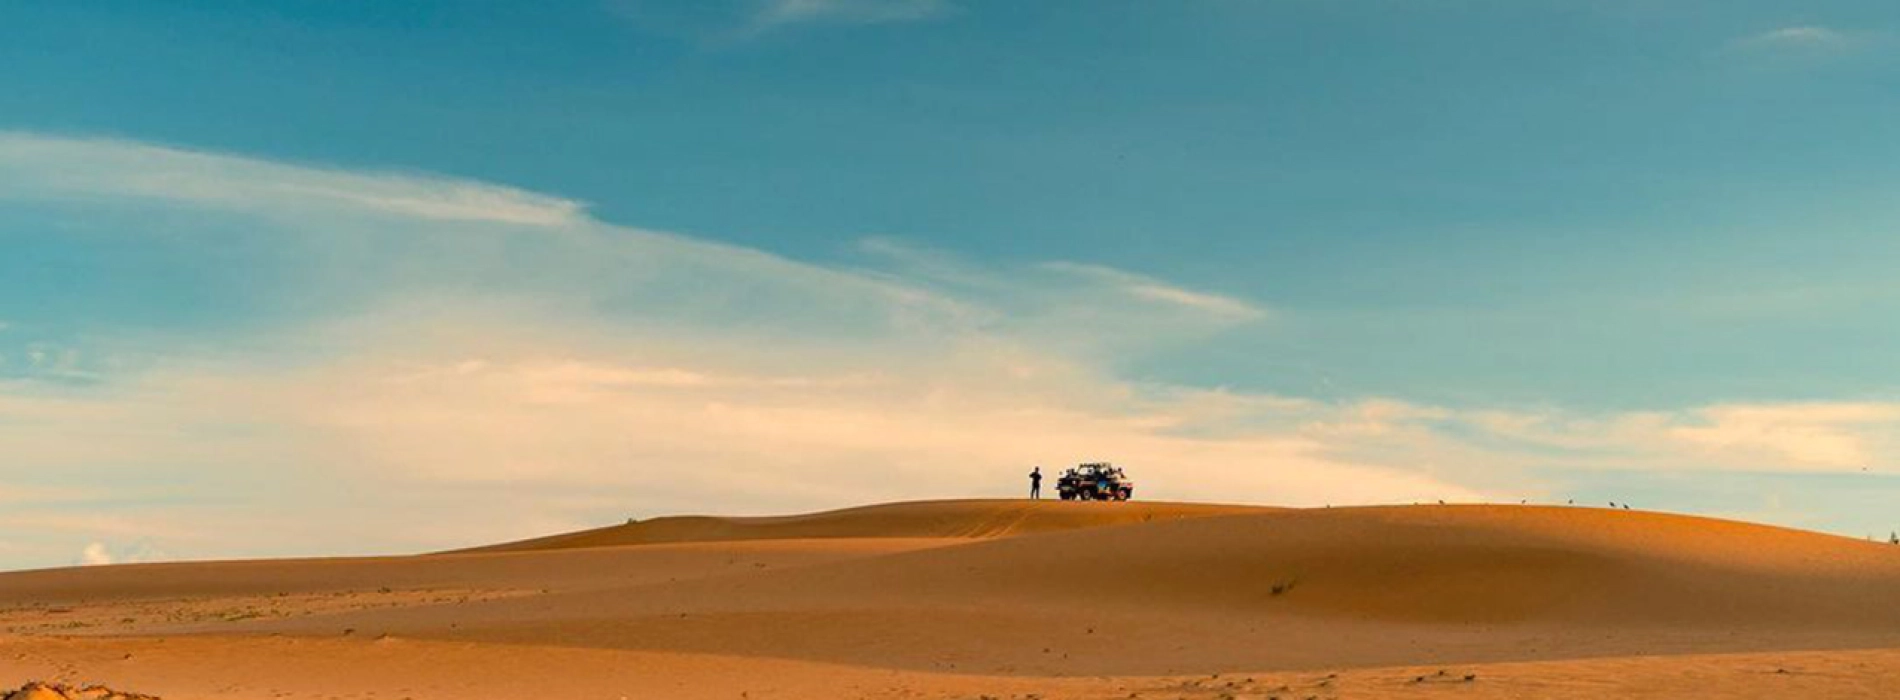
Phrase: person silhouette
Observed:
(1035, 483)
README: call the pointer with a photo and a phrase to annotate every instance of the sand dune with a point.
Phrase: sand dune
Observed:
(1355, 586)
(1015, 590)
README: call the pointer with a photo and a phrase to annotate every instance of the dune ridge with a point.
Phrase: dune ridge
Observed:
(959, 519)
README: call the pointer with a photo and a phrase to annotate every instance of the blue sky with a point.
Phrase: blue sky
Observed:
(622, 255)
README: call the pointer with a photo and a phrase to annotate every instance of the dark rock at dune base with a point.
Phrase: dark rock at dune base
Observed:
(59, 691)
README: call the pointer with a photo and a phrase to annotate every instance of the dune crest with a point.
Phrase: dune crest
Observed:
(961, 519)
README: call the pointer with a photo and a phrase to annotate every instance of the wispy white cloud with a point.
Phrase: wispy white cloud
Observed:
(95, 554)
(1062, 297)
(1802, 38)
(775, 14)
(1826, 436)
(40, 167)
(1807, 34)
(102, 554)
(1154, 290)
(738, 21)
(1810, 437)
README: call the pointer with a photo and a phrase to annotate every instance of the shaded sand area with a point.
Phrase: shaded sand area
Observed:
(1006, 599)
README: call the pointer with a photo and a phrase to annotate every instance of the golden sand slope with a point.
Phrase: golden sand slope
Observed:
(985, 589)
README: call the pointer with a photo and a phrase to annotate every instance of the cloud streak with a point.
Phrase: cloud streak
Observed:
(1810, 40)
(1807, 35)
(39, 167)
(722, 23)
(1151, 289)
(778, 14)
(1823, 436)
(95, 554)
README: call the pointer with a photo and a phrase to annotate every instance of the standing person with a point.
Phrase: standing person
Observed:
(1035, 484)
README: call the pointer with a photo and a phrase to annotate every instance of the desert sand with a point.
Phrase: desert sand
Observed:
(1006, 599)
